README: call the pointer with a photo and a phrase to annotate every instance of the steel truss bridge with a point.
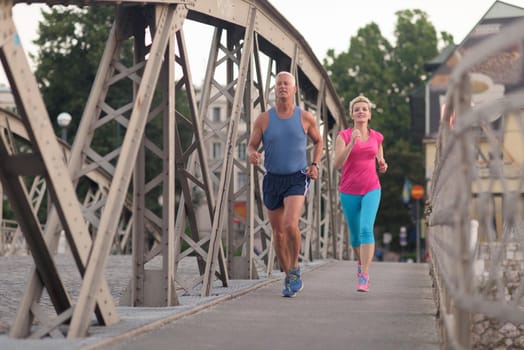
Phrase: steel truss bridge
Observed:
(97, 196)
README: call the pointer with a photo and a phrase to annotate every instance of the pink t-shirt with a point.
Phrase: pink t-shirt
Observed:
(359, 172)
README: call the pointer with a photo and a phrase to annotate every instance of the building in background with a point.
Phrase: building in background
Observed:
(496, 76)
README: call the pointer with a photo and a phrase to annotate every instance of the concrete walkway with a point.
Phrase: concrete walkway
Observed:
(397, 313)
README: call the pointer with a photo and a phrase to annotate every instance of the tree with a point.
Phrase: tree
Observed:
(70, 42)
(386, 74)
(368, 56)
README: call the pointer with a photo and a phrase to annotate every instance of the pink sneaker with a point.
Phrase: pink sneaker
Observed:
(359, 269)
(363, 283)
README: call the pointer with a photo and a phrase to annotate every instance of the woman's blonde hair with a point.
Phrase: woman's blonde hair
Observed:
(360, 98)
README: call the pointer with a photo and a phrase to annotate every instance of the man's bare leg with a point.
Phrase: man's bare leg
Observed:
(276, 219)
(293, 206)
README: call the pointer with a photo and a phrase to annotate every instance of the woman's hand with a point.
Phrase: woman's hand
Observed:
(382, 165)
(355, 134)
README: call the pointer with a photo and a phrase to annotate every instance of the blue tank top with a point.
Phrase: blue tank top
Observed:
(284, 144)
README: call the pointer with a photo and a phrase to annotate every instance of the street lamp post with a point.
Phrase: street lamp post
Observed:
(63, 120)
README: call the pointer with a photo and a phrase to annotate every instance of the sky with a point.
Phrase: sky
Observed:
(457, 17)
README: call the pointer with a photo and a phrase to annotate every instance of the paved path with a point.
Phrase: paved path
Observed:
(397, 313)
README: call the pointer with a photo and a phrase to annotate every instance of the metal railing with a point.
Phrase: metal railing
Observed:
(11, 243)
(475, 211)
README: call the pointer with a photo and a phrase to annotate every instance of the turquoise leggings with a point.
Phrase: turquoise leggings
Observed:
(360, 213)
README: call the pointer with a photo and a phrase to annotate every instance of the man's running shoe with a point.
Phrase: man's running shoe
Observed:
(287, 291)
(295, 281)
(363, 283)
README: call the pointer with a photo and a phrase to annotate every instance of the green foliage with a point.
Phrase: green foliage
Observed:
(66, 35)
(446, 38)
(403, 162)
(386, 74)
(368, 57)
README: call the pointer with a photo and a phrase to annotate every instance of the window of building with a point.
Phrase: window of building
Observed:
(242, 151)
(217, 150)
(216, 114)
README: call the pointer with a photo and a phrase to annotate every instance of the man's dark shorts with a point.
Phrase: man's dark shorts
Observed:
(277, 187)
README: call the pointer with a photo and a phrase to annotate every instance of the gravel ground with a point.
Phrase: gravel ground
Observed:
(15, 271)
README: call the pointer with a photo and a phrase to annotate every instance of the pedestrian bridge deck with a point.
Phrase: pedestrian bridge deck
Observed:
(398, 312)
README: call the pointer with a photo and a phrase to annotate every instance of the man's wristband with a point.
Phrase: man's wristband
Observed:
(315, 164)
